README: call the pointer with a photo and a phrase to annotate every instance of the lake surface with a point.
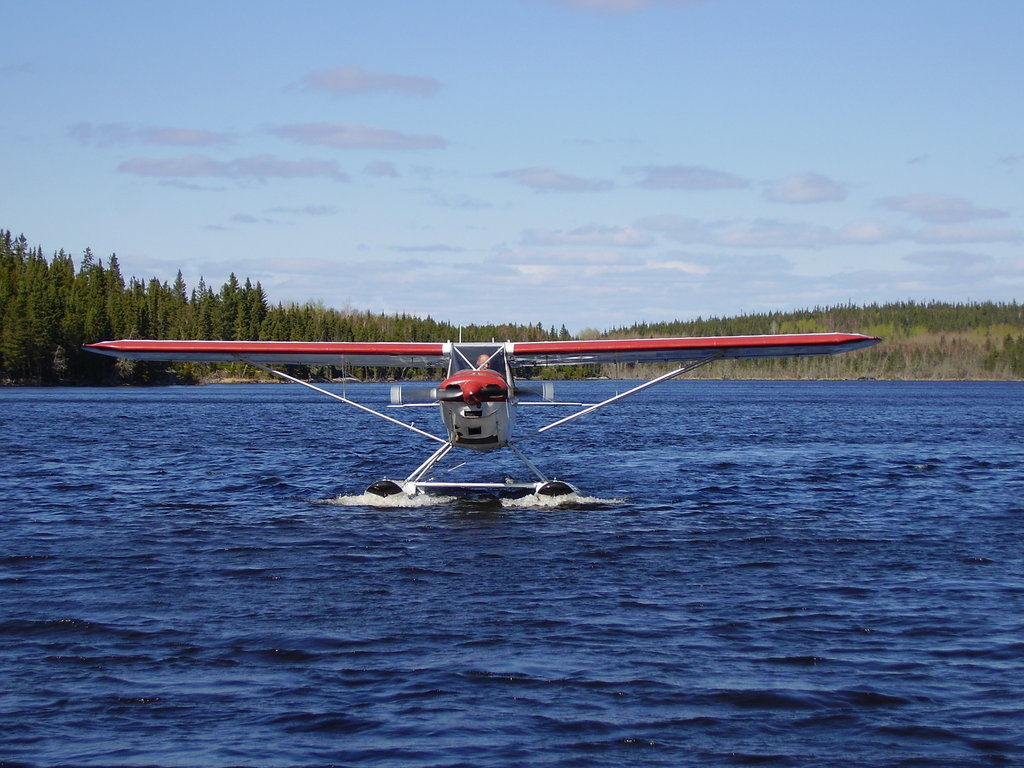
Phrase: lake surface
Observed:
(762, 573)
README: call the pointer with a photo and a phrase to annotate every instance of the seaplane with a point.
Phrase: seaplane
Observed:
(478, 397)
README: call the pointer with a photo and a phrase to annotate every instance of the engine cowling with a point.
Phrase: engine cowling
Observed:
(473, 388)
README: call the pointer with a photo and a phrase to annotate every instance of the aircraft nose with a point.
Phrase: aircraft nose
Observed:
(476, 392)
(473, 387)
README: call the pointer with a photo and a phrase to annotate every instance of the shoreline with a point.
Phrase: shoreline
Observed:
(239, 380)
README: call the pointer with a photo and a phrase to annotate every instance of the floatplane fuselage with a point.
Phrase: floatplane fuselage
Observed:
(479, 394)
(477, 402)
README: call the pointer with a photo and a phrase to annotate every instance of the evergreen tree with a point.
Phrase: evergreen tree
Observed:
(49, 309)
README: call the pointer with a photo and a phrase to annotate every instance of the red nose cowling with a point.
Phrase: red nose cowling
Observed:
(473, 387)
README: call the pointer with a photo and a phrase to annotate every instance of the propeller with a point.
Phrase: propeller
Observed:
(449, 394)
(453, 393)
(492, 392)
(545, 390)
(402, 394)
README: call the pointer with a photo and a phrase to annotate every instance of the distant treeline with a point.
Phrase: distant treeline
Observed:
(922, 340)
(50, 307)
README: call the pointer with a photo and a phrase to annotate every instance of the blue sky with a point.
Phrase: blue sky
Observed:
(587, 162)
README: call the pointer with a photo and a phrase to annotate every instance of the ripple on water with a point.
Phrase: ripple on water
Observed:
(801, 580)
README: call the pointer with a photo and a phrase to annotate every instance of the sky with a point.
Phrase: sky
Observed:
(592, 163)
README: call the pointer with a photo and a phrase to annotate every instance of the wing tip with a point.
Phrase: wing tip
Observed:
(102, 347)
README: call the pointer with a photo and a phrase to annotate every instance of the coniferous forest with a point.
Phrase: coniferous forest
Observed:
(51, 306)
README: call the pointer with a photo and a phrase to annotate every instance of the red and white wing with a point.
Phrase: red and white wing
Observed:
(337, 353)
(686, 349)
(433, 354)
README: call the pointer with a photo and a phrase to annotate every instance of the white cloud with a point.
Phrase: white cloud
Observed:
(958, 233)
(355, 136)
(949, 259)
(538, 273)
(868, 233)
(806, 188)
(692, 177)
(589, 235)
(247, 218)
(776, 233)
(688, 267)
(682, 229)
(605, 287)
(584, 263)
(255, 167)
(761, 233)
(940, 209)
(183, 137)
(346, 81)
(770, 233)
(434, 248)
(454, 200)
(939, 278)
(740, 265)
(573, 256)
(306, 210)
(179, 184)
(381, 169)
(546, 179)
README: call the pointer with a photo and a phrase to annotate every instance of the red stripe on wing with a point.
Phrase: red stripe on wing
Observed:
(300, 352)
(690, 348)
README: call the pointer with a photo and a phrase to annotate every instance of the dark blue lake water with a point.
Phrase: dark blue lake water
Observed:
(784, 574)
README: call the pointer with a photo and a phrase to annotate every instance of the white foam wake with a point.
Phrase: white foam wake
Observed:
(530, 501)
(395, 501)
(565, 500)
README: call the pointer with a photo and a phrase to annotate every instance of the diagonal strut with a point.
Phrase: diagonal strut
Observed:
(344, 400)
(610, 400)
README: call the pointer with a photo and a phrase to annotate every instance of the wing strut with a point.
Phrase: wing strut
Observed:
(428, 465)
(633, 391)
(343, 399)
(527, 462)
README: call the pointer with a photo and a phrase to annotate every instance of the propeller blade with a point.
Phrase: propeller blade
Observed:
(491, 391)
(449, 394)
(545, 390)
(402, 394)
